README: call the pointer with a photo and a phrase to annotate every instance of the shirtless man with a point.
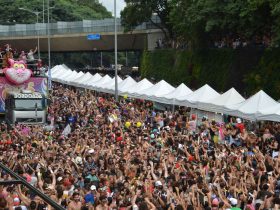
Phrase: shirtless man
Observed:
(103, 203)
(76, 203)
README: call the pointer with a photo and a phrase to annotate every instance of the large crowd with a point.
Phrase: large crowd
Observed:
(105, 155)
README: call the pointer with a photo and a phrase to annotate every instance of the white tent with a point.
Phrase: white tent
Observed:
(109, 87)
(55, 68)
(125, 84)
(81, 79)
(91, 80)
(251, 108)
(201, 95)
(218, 104)
(59, 71)
(122, 84)
(64, 79)
(59, 76)
(155, 91)
(181, 90)
(96, 85)
(270, 113)
(143, 84)
(69, 80)
(78, 78)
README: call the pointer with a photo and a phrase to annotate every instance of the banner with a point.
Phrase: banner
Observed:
(34, 84)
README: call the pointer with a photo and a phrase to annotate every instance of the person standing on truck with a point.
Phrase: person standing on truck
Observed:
(8, 54)
(30, 56)
(23, 57)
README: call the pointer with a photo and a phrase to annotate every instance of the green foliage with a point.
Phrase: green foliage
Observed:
(247, 70)
(266, 75)
(202, 21)
(139, 11)
(64, 10)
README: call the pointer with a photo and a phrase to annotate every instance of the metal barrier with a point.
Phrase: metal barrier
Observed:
(20, 180)
(85, 26)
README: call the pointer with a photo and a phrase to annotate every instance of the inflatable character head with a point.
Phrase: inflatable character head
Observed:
(17, 73)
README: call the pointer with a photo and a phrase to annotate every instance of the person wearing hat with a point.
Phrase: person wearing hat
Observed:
(159, 191)
(89, 197)
(233, 203)
(239, 124)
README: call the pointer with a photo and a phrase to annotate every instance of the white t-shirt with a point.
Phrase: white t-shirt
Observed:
(22, 207)
(30, 56)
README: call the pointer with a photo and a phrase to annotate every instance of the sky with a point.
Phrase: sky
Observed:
(109, 4)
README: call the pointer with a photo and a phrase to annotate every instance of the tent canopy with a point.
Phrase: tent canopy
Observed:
(218, 104)
(201, 95)
(143, 84)
(157, 90)
(250, 109)
(123, 86)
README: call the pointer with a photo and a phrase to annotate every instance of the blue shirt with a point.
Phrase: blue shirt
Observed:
(89, 198)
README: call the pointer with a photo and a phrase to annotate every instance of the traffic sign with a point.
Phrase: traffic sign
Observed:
(93, 36)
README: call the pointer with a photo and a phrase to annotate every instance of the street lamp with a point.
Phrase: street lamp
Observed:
(116, 52)
(49, 48)
(37, 18)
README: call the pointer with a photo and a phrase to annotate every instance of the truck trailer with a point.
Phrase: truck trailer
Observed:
(23, 95)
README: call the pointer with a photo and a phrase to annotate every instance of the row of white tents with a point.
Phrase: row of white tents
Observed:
(258, 107)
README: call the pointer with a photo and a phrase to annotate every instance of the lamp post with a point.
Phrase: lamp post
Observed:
(116, 52)
(37, 21)
(37, 18)
(43, 11)
(49, 45)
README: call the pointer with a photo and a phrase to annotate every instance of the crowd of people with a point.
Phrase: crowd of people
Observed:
(237, 42)
(99, 154)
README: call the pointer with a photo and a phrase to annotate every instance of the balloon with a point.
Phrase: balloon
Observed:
(138, 124)
(125, 96)
(17, 73)
(127, 124)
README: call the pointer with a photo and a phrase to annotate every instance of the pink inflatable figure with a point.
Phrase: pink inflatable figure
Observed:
(17, 72)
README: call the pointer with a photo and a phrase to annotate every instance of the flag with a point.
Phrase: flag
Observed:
(66, 130)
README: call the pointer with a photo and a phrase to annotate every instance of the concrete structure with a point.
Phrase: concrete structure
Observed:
(72, 36)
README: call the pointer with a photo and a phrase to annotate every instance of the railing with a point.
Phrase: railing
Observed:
(20, 180)
(85, 26)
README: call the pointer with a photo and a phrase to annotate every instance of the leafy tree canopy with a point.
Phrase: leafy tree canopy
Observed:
(199, 21)
(139, 11)
(64, 10)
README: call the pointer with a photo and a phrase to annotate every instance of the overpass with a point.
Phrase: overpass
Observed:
(72, 36)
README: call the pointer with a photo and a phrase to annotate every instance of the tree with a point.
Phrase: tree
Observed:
(138, 11)
(215, 19)
(64, 10)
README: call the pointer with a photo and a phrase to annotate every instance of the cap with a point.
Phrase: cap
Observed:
(16, 201)
(193, 116)
(92, 187)
(238, 120)
(59, 179)
(91, 151)
(252, 133)
(158, 183)
(79, 160)
(233, 201)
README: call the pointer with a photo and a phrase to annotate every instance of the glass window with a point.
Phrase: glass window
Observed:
(29, 104)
